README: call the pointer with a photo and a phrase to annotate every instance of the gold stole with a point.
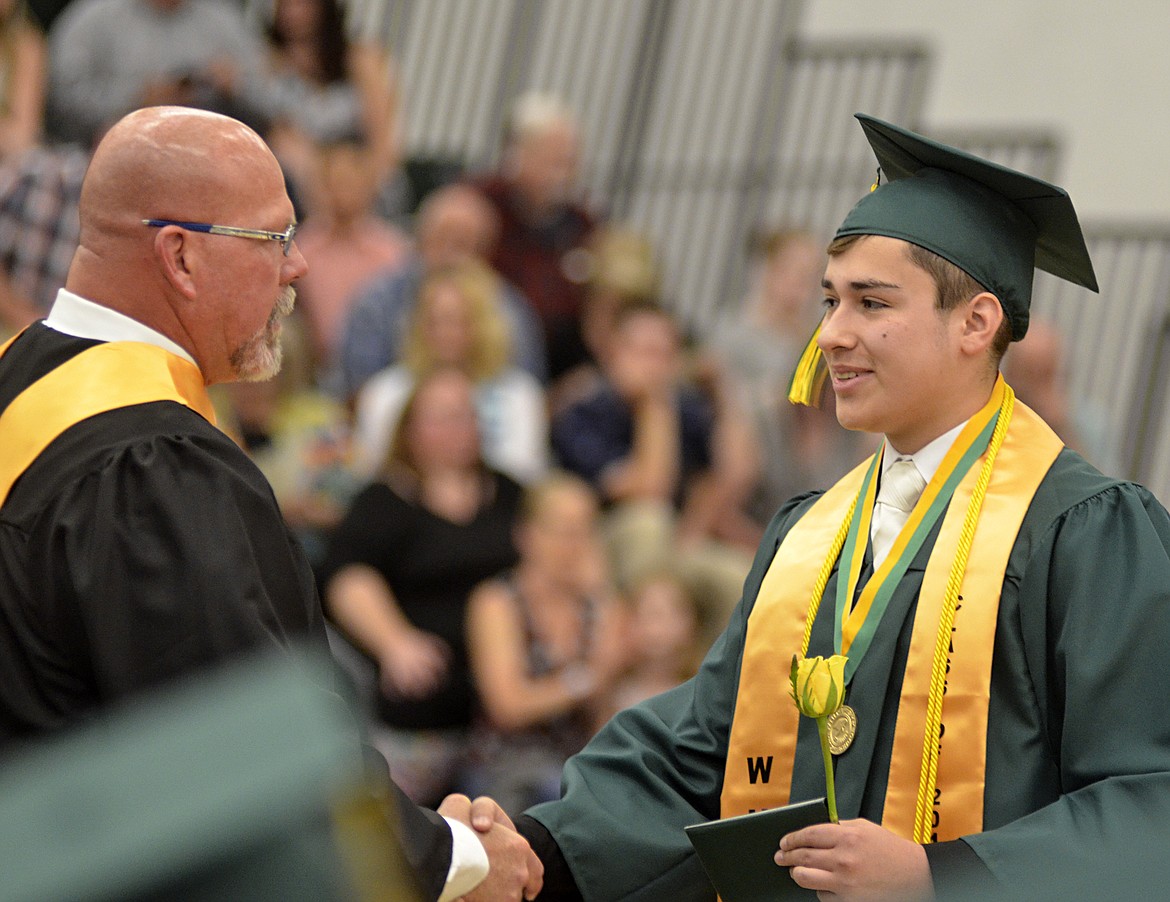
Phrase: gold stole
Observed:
(764, 728)
(99, 379)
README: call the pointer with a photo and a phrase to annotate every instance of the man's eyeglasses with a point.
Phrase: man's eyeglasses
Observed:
(285, 238)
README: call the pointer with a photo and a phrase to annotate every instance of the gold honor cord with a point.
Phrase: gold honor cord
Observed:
(929, 777)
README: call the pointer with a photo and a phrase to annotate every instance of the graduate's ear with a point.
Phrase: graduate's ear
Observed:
(175, 252)
(981, 323)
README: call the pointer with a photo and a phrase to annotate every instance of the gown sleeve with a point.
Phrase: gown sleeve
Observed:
(171, 556)
(1094, 621)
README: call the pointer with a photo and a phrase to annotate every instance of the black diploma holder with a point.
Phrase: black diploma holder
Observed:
(737, 852)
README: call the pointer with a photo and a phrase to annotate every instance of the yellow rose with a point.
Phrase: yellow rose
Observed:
(818, 686)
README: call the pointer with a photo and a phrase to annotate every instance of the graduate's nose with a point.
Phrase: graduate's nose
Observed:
(835, 330)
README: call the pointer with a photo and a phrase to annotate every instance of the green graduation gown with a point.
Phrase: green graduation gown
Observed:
(1078, 746)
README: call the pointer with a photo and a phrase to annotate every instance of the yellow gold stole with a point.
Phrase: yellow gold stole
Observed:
(765, 721)
(99, 379)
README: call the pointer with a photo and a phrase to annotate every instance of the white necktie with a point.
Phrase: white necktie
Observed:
(901, 486)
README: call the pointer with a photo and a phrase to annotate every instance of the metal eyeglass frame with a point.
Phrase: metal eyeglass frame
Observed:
(285, 238)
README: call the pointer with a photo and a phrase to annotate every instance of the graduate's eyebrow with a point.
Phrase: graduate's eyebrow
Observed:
(862, 284)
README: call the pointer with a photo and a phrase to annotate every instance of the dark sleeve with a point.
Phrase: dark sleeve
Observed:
(587, 438)
(697, 426)
(1094, 616)
(559, 885)
(171, 556)
(426, 843)
(958, 873)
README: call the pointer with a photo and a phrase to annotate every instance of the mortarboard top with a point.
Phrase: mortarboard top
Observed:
(994, 223)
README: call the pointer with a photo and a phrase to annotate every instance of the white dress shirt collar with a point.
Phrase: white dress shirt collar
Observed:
(927, 458)
(74, 315)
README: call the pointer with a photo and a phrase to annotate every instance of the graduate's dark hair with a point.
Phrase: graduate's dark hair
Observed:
(954, 286)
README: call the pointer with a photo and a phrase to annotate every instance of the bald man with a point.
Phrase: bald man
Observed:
(137, 542)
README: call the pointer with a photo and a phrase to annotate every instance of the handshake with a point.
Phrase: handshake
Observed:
(514, 871)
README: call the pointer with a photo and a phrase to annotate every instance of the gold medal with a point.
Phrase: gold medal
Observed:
(842, 725)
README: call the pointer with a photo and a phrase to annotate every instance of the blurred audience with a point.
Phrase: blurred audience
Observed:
(345, 243)
(39, 186)
(458, 322)
(543, 231)
(644, 438)
(299, 437)
(668, 635)
(108, 57)
(1034, 368)
(39, 228)
(399, 571)
(455, 225)
(757, 346)
(23, 74)
(546, 641)
(623, 270)
(320, 86)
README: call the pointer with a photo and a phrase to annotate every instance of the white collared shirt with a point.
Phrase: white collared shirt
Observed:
(73, 315)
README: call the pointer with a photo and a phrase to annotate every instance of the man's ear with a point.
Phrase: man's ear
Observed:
(175, 254)
(980, 325)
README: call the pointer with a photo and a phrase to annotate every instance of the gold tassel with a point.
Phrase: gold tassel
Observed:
(809, 378)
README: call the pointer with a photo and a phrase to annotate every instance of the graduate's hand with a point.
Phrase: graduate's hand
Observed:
(857, 861)
(515, 871)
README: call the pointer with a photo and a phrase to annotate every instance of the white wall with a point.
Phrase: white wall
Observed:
(1098, 71)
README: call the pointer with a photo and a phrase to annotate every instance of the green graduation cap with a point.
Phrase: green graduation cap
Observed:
(994, 223)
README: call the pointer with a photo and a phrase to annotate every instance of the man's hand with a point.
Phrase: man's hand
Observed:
(515, 872)
(857, 861)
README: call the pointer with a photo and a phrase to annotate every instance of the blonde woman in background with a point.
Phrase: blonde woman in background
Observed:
(458, 322)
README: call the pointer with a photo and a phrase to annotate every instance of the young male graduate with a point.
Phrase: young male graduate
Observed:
(1024, 598)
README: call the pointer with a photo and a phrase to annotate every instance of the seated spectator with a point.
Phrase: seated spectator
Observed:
(39, 226)
(320, 86)
(623, 270)
(299, 437)
(1034, 368)
(455, 225)
(399, 571)
(757, 346)
(108, 57)
(458, 322)
(22, 79)
(345, 243)
(543, 233)
(668, 637)
(546, 641)
(645, 439)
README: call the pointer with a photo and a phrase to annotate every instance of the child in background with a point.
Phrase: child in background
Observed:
(667, 638)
